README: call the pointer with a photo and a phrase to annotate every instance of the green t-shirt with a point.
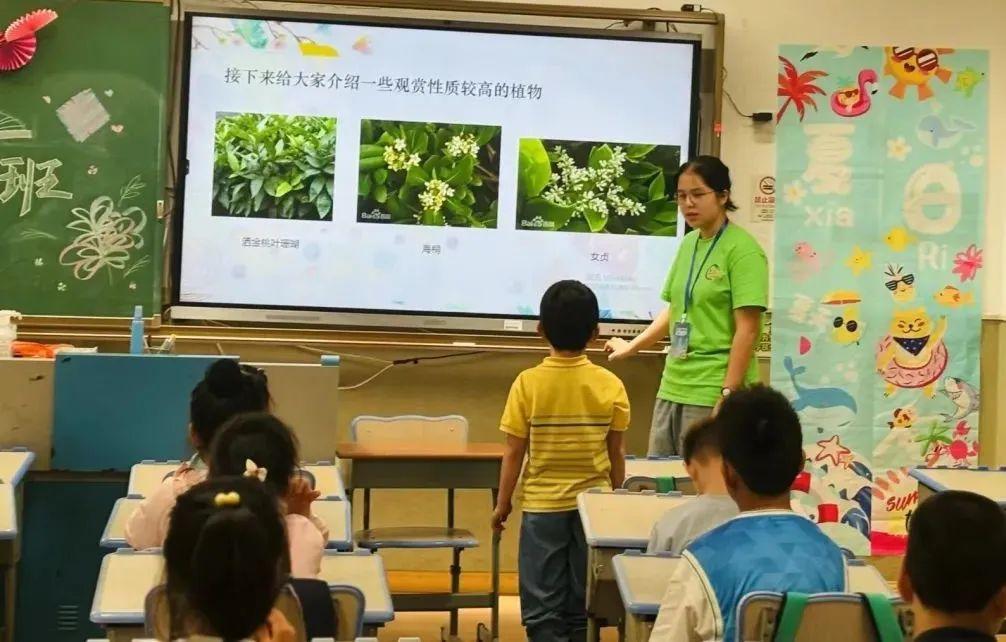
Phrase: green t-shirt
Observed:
(734, 276)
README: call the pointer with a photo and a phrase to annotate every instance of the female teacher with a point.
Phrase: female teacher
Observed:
(717, 289)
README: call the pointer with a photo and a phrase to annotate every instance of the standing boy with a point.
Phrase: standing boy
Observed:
(568, 416)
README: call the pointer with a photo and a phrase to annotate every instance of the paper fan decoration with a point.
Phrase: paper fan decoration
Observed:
(18, 42)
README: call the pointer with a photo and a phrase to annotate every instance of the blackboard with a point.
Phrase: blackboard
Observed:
(89, 112)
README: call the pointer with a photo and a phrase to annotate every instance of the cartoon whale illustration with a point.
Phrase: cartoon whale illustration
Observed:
(816, 397)
(963, 395)
(940, 134)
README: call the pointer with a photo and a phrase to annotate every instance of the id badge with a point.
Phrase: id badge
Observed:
(679, 339)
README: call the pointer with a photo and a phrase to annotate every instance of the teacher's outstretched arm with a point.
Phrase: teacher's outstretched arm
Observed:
(619, 348)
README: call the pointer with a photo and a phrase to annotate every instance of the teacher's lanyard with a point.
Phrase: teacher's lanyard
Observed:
(689, 286)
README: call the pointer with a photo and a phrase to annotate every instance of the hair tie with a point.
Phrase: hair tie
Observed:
(253, 470)
(227, 499)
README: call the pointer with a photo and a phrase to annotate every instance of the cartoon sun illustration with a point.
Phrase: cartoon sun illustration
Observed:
(911, 66)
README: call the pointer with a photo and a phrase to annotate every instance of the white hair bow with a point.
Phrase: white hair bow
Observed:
(252, 470)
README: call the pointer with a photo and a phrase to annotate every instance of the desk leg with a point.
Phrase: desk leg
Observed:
(495, 612)
(637, 629)
(455, 564)
(366, 508)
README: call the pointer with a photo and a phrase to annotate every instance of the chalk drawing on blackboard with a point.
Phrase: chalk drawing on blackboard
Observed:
(106, 240)
(132, 189)
(83, 115)
(13, 129)
(32, 234)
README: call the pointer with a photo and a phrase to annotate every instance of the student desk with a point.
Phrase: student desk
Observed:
(14, 464)
(661, 467)
(614, 521)
(412, 465)
(336, 513)
(365, 571)
(147, 475)
(642, 580)
(988, 482)
(125, 578)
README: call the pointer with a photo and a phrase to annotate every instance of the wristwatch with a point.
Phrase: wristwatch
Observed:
(725, 392)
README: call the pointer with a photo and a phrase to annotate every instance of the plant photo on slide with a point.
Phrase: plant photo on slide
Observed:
(598, 187)
(428, 174)
(274, 166)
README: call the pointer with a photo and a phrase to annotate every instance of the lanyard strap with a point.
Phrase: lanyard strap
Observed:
(689, 286)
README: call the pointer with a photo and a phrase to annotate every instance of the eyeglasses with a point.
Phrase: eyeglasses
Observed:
(927, 59)
(694, 197)
(908, 279)
(850, 325)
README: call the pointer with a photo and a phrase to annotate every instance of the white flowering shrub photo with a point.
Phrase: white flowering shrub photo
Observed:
(599, 187)
(428, 174)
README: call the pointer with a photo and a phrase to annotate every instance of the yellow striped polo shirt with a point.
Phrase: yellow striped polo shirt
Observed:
(565, 407)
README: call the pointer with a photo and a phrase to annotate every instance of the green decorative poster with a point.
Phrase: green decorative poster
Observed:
(881, 178)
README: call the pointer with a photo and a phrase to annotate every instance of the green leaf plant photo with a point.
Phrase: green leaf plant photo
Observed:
(429, 174)
(613, 188)
(274, 166)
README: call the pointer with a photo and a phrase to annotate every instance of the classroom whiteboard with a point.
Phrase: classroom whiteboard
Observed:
(424, 171)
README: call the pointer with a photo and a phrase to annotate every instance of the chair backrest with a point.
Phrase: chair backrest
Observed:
(157, 613)
(827, 617)
(639, 483)
(452, 429)
(349, 604)
(316, 605)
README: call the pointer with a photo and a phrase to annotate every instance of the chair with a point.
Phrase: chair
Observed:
(822, 617)
(349, 604)
(316, 606)
(639, 483)
(157, 613)
(368, 429)
(451, 430)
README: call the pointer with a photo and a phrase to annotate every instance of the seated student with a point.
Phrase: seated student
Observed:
(262, 447)
(224, 562)
(713, 506)
(227, 389)
(765, 548)
(568, 415)
(954, 572)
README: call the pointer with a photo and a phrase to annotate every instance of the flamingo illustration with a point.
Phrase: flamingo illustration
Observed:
(855, 100)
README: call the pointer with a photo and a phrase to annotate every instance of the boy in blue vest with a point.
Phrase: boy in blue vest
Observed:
(765, 548)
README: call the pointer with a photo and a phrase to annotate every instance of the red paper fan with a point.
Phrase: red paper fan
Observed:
(17, 54)
(18, 42)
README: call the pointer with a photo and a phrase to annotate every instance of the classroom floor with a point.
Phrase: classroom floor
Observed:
(426, 626)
